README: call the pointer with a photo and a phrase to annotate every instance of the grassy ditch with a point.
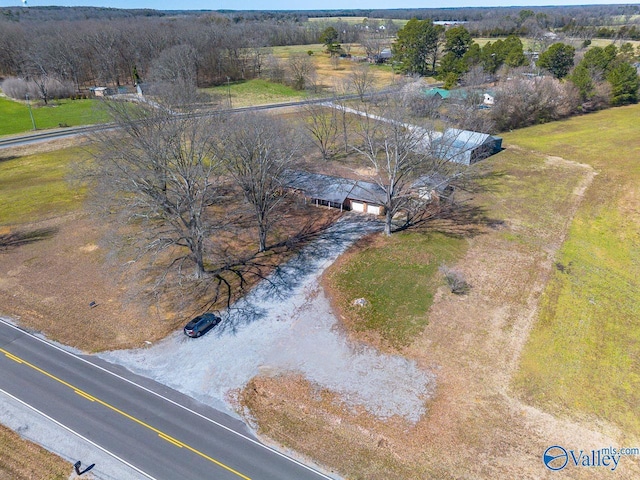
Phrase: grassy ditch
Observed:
(60, 113)
(23, 460)
(398, 277)
(583, 355)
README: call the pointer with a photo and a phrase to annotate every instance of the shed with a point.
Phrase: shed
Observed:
(101, 91)
(432, 186)
(384, 56)
(489, 98)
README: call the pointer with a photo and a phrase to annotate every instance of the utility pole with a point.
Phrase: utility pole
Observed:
(33, 121)
(229, 91)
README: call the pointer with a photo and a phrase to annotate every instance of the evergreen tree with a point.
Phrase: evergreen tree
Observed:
(558, 59)
(625, 82)
(416, 48)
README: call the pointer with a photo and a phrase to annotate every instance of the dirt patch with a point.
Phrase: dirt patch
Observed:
(72, 285)
(63, 286)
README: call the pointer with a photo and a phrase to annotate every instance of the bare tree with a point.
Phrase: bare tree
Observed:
(177, 63)
(257, 150)
(301, 70)
(361, 77)
(274, 68)
(404, 157)
(321, 123)
(522, 101)
(373, 44)
(341, 90)
(162, 173)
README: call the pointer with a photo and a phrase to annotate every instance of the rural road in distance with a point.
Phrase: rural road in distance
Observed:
(161, 437)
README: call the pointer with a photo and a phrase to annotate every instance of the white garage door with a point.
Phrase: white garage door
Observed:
(374, 209)
(357, 206)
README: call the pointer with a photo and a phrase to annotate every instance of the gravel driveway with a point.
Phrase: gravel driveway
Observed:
(286, 325)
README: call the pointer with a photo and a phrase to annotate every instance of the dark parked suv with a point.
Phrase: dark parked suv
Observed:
(201, 324)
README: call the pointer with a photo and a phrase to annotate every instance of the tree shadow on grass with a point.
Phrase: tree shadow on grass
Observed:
(13, 240)
(459, 219)
(453, 219)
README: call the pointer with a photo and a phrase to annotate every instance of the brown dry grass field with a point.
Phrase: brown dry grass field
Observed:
(23, 460)
(49, 283)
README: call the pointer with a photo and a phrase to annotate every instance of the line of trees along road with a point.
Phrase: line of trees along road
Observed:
(122, 51)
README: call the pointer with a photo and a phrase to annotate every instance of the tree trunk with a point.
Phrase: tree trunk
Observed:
(387, 223)
(263, 238)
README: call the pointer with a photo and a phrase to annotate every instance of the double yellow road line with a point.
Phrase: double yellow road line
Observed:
(91, 398)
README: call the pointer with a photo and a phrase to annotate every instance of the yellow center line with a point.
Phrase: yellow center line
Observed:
(12, 357)
(171, 440)
(162, 435)
(85, 395)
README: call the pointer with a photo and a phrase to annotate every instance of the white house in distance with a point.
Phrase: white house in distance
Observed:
(489, 99)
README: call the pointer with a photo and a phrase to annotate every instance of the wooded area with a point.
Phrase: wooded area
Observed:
(83, 46)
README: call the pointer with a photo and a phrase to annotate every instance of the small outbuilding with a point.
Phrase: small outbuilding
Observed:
(439, 93)
(101, 91)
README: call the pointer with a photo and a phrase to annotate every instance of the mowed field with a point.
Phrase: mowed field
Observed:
(583, 355)
(332, 76)
(543, 350)
(15, 118)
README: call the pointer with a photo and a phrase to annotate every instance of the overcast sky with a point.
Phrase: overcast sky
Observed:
(300, 4)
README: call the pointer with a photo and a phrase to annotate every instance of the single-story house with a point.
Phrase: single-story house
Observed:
(465, 146)
(384, 56)
(338, 192)
(101, 91)
(437, 93)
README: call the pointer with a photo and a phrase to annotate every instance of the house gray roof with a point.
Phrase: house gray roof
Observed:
(335, 189)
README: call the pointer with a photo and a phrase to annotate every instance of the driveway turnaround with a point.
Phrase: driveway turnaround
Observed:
(156, 435)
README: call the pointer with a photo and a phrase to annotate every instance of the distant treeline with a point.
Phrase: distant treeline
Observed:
(126, 50)
(558, 16)
(85, 46)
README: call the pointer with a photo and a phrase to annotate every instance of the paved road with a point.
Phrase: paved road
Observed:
(53, 134)
(46, 135)
(157, 435)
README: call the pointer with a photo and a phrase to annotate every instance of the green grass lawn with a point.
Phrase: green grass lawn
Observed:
(34, 187)
(256, 92)
(398, 277)
(14, 116)
(583, 355)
